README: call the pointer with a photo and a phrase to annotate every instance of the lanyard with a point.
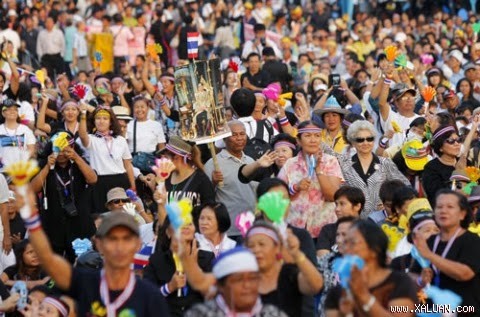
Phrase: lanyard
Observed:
(14, 136)
(108, 142)
(444, 253)
(121, 299)
(65, 184)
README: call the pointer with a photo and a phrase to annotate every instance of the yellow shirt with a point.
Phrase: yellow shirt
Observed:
(337, 143)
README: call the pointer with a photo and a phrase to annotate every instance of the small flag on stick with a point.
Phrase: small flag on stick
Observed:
(192, 44)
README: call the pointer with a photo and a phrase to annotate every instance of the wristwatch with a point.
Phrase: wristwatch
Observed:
(366, 307)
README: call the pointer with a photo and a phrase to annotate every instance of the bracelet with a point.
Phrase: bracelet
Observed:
(164, 290)
(33, 223)
(292, 190)
(419, 281)
(283, 121)
(300, 259)
(366, 308)
(387, 81)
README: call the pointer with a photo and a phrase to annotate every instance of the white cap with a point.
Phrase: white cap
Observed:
(234, 261)
(458, 55)
(12, 13)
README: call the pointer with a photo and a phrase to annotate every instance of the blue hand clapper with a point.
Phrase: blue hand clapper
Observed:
(20, 287)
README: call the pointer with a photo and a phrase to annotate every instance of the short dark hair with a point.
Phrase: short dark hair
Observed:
(259, 27)
(353, 194)
(375, 238)
(401, 195)
(253, 54)
(462, 203)
(221, 214)
(268, 183)
(243, 102)
(344, 220)
(387, 189)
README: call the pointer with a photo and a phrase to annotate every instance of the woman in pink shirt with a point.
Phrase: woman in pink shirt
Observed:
(121, 35)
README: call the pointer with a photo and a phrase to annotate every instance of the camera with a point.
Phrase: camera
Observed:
(263, 41)
(70, 209)
(334, 80)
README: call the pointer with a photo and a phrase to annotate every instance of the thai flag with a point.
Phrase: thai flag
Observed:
(141, 258)
(192, 44)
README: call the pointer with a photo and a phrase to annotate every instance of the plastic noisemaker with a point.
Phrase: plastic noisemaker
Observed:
(424, 263)
(311, 164)
(401, 61)
(274, 205)
(429, 93)
(391, 52)
(21, 172)
(59, 143)
(343, 267)
(162, 169)
(40, 76)
(244, 221)
(396, 127)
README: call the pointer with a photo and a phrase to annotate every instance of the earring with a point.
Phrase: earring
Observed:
(279, 256)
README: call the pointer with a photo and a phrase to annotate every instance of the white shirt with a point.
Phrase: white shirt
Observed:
(12, 36)
(13, 143)
(100, 151)
(403, 122)
(149, 135)
(26, 111)
(50, 43)
(249, 47)
(80, 44)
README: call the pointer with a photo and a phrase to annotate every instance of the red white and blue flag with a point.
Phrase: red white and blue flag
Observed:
(192, 44)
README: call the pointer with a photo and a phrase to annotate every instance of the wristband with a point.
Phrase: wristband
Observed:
(33, 223)
(419, 281)
(164, 290)
(383, 143)
(387, 81)
(283, 121)
(291, 190)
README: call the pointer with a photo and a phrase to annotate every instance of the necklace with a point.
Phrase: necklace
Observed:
(14, 138)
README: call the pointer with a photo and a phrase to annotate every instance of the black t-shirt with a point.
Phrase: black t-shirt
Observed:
(145, 301)
(436, 176)
(287, 296)
(306, 243)
(199, 190)
(160, 270)
(59, 125)
(326, 238)
(260, 79)
(17, 226)
(12, 273)
(278, 71)
(396, 285)
(466, 250)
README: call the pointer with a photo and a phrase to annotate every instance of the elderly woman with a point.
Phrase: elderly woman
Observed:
(313, 177)
(455, 263)
(366, 170)
(375, 292)
(436, 174)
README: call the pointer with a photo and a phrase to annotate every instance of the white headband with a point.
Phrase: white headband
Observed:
(234, 261)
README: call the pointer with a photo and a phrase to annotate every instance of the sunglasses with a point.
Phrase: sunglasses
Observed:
(453, 140)
(117, 201)
(368, 139)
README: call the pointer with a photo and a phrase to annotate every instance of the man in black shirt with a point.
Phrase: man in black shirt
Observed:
(115, 290)
(255, 78)
(276, 69)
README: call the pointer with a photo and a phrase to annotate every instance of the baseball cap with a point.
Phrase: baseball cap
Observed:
(117, 219)
(415, 155)
(9, 103)
(400, 89)
(469, 66)
(448, 94)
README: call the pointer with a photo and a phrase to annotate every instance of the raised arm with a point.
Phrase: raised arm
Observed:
(56, 266)
(82, 129)
(14, 78)
(198, 280)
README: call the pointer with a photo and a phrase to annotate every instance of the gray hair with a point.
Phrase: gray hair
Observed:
(234, 122)
(357, 126)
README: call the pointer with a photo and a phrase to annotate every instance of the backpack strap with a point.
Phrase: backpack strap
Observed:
(476, 151)
(270, 130)
(134, 136)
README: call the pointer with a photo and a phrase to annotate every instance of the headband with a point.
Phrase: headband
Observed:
(260, 94)
(171, 78)
(179, 152)
(309, 130)
(422, 223)
(102, 112)
(284, 143)
(69, 103)
(442, 132)
(265, 231)
(346, 123)
(57, 304)
(235, 260)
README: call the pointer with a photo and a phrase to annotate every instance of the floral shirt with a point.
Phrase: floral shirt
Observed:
(309, 209)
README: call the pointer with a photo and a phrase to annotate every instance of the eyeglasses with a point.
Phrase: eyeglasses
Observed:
(451, 141)
(117, 201)
(368, 139)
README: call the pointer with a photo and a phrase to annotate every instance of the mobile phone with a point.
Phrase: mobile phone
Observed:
(333, 80)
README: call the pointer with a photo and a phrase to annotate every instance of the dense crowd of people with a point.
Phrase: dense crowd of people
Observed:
(372, 160)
